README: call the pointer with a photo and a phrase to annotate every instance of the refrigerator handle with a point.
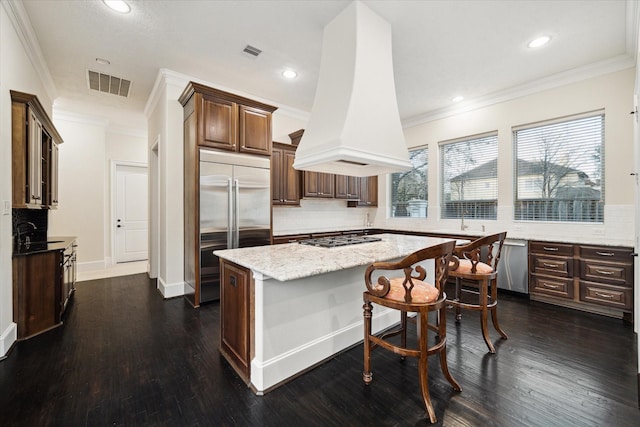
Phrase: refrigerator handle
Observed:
(229, 215)
(236, 217)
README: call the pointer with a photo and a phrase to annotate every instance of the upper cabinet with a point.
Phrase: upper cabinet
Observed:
(34, 154)
(347, 187)
(368, 191)
(319, 184)
(230, 122)
(285, 180)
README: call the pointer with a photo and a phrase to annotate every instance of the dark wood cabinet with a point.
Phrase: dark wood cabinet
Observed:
(368, 191)
(43, 282)
(285, 180)
(319, 184)
(214, 121)
(235, 315)
(347, 187)
(590, 278)
(34, 154)
(230, 122)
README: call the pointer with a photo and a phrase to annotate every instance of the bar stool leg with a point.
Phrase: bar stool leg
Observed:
(367, 376)
(423, 365)
(494, 310)
(484, 314)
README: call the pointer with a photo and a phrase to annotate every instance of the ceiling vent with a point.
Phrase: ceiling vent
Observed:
(252, 50)
(108, 84)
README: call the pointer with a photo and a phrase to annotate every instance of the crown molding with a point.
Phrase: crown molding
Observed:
(168, 77)
(85, 119)
(22, 25)
(619, 63)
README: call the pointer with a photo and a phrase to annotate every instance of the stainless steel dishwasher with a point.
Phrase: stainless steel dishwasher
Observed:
(513, 266)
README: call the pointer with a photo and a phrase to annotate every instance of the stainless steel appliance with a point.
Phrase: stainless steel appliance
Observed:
(335, 241)
(235, 210)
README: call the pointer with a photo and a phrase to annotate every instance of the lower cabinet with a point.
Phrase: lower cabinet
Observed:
(36, 293)
(592, 278)
(43, 283)
(235, 311)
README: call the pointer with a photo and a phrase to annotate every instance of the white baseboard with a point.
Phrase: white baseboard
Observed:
(170, 290)
(91, 266)
(267, 374)
(8, 337)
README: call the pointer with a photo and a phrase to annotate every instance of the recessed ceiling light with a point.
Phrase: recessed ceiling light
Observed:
(458, 98)
(118, 5)
(103, 61)
(539, 41)
(289, 74)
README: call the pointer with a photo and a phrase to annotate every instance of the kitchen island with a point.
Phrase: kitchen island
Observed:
(287, 308)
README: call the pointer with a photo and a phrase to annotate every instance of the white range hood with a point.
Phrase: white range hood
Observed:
(355, 127)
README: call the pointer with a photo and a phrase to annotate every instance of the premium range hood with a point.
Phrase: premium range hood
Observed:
(355, 127)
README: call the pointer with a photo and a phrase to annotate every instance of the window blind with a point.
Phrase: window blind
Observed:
(469, 181)
(559, 170)
(409, 196)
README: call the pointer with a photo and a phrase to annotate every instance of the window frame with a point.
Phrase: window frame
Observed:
(481, 208)
(421, 205)
(550, 209)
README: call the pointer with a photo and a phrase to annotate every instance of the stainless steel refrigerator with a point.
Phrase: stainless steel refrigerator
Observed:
(235, 210)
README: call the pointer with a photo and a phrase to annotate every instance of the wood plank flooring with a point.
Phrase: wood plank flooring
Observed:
(126, 357)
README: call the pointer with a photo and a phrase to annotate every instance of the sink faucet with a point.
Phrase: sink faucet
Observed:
(20, 226)
(463, 226)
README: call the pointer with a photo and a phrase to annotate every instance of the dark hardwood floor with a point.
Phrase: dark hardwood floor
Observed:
(126, 357)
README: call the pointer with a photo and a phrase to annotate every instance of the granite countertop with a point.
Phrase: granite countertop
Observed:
(295, 261)
(54, 243)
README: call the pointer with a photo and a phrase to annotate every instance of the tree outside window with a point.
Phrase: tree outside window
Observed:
(409, 197)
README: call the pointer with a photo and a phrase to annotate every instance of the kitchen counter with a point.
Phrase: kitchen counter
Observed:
(294, 261)
(54, 243)
(289, 307)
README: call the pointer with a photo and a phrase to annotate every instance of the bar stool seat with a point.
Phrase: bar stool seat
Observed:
(475, 269)
(411, 293)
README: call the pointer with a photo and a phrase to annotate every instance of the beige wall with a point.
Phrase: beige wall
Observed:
(612, 92)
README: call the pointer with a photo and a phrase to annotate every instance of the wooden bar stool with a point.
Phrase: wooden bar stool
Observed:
(411, 294)
(475, 268)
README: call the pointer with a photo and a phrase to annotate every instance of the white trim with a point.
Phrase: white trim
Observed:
(128, 131)
(8, 337)
(170, 290)
(112, 201)
(91, 266)
(72, 116)
(21, 23)
(268, 373)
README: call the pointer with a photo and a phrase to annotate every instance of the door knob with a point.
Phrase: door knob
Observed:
(119, 226)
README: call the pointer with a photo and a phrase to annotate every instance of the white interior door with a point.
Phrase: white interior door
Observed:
(131, 213)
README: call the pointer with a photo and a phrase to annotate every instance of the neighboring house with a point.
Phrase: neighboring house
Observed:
(480, 182)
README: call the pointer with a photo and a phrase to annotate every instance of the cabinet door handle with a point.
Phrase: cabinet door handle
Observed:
(550, 286)
(546, 248)
(606, 253)
(550, 265)
(606, 273)
(598, 294)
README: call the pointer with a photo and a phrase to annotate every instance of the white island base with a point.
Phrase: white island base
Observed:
(305, 315)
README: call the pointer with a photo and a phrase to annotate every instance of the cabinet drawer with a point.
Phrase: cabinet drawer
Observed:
(609, 295)
(620, 274)
(607, 253)
(555, 286)
(558, 249)
(555, 266)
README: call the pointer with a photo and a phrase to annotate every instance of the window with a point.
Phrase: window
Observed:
(409, 189)
(470, 177)
(559, 170)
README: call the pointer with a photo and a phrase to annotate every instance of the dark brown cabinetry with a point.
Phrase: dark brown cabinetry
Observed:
(347, 187)
(43, 282)
(213, 121)
(590, 278)
(285, 180)
(34, 154)
(319, 184)
(368, 193)
(235, 315)
(230, 122)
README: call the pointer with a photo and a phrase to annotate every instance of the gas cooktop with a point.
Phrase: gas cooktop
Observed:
(335, 241)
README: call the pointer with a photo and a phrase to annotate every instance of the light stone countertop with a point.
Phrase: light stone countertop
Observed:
(295, 261)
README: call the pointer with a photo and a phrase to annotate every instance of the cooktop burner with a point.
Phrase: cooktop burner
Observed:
(334, 241)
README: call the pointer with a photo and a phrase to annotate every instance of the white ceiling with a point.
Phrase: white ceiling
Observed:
(440, 48)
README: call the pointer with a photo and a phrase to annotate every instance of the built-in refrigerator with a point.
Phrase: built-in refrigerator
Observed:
(235, 210)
